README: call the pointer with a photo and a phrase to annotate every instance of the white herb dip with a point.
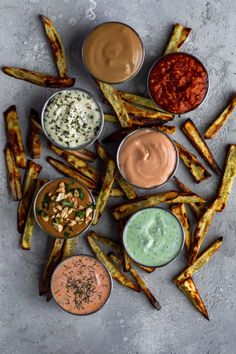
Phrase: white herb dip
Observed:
(72, 118)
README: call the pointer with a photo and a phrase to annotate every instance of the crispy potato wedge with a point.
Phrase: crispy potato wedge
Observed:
(195, 167)
(68, 248)
(155, 303)
(30, 179)
(54, 256)
(126, 260)
(39, 79)
(201, 230)
(125, 209)
(136, 111)
(181, 213)
(114, 192)
(30, 221)
(34, 136)
(220, 121)
(105, 190)
(13, 175)
(146, 269)
(115, 247)
(84, 154)
(68, 171)
(191, 132)
(139, 100)
(57, 46)
(112, 96)
(37, 124)
(179, 35)
(120, 134)
(126, 187)
(111, 118)
(115, 272)
(14, 136)
(228, 178)
(188, 287)
(200, 261)
(197, 208)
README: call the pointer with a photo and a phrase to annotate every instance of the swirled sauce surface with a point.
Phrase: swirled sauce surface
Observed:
(147, 158)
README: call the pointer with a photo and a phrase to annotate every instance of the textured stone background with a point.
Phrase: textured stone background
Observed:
(128, 324)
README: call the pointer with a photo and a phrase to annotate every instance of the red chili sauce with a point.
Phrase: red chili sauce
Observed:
(178, 83)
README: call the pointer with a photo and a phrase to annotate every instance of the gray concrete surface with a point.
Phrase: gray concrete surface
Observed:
(128, 324)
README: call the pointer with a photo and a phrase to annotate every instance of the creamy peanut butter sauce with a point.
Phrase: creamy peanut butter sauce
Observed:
(147, 158)
(112, 52)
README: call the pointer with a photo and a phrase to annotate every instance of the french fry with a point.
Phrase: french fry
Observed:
(220, 121)
(125, 209)
(13, 175)
(126, 260)
(122, 133)
(126, 187)
(68, 171)
(110, 118)
(112, 96)
(68, 248)
(139, 100)
(140, 282)
(114, 192)
(227, 179)
(201, 230)
(179, 35)
(191, 132)
(30, 179)
(106, 241)
(14, 136)
(200, 261)
(54, 256)
(195, 167)
(115, 272)
(180, 212)
(105, 190)
(30, 221)
(57, 46)
(35, 136)
(146, 269)
(197, 208)
(39, 79)
(83, 154)
(136, 111)
(188, 287)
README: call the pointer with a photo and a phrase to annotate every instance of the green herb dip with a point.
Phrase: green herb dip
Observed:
(153, 237)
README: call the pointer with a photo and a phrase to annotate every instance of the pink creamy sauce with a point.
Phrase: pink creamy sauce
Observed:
(81, 285)
(147, 158)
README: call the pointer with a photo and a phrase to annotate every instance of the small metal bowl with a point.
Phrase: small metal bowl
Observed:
(82, 146)
(121, 171)
(111, 286)
(62, 179)
(141, 63)
(154, 266)
(161, 58)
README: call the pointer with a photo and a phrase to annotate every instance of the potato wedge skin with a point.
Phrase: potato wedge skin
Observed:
(35, 136)
(197, 170)
(57, 46)
(227, 178)
(179, 35)
(221, 120)
(140, 100)
(84, 154)
(145, 113)
(191, 132)
(13, 173)
(14, 136)
(39, 79)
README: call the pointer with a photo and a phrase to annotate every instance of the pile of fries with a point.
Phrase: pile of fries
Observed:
(132, 111)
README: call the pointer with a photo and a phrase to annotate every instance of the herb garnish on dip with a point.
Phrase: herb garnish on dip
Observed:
(153, 237)
(64, 208)
(72, 118)
(81, 285)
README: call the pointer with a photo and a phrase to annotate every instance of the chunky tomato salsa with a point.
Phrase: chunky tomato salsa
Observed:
(178, 82)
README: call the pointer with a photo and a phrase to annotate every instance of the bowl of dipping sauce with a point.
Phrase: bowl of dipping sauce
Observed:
(72, 118)
(81, 285)
(178, 82)
(113, 52)
(147, 158)
(64, 208)
(153, 237)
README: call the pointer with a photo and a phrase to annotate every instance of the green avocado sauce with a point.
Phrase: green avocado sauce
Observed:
(153, 237)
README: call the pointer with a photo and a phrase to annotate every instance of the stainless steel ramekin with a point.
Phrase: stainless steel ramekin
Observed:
(82, 146)
(154, 265)
(121, 171)
(161, 58)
